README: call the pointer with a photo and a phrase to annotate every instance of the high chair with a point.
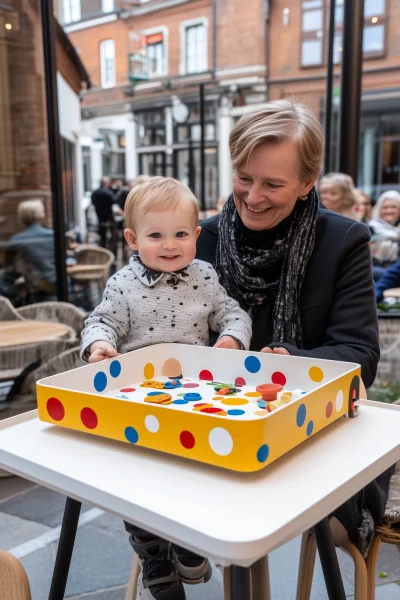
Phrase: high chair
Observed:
(14, 583)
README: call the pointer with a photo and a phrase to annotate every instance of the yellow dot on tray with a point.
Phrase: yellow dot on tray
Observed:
(148, 371)
(234, 401)
(253, 395)
(261, 413)
(316, 374)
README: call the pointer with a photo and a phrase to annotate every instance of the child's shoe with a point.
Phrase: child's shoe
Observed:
(192, 568)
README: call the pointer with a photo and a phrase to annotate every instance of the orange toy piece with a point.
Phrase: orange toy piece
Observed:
(159, 399)
(156, 385)
(269, 391)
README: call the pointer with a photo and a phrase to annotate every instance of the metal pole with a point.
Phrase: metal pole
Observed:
(329, 88)
(350, 100)
(53, 134)
(202, 153)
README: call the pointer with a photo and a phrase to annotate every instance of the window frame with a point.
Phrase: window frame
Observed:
(153, 31)
(312, 35)
(107, 6)
(103, 70)
(184, 27)
(69, 4)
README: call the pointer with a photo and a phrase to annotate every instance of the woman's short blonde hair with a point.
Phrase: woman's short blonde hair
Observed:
(388, 195)
(274, 122)
(30, 211)
(345, 184)
(158, 194)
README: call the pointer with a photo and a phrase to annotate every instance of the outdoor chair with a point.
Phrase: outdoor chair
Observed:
(14, 584)
(58, 312)
(365, 569)
(92, 268)
(7, 311)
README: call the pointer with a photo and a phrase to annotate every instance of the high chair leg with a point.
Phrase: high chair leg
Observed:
(260, 588)
(360, 568)
(308, 552)
(131, 590)
(372, 559)
(14, 583)
(227, 583)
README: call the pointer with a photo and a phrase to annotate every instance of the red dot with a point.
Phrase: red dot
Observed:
(206, 375)
(240, 381)
(211, 410)
(201, 404)
(55, 409)
(190, 385)
(278, 377)
(128, 390)
(89, 418)
(329, 409)
(187, 439)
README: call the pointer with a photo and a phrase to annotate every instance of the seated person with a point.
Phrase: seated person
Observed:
(33, 250)
(390, 279)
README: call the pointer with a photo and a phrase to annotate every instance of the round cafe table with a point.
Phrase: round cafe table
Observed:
(18, 333)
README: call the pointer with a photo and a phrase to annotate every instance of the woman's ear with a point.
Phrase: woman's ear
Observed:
(131, 239)
(198, 229)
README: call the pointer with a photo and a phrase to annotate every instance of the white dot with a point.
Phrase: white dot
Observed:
(152, 423)
(220, 441)
(339, 400)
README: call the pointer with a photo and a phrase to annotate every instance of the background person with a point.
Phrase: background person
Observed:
(103, 200)
(363, 206)
(303, 273)
(338, 194)
(390, 279)
(385, 233)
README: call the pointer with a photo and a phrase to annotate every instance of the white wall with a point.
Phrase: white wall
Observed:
(69, 110)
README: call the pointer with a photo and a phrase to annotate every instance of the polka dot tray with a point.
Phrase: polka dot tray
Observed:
(233, 409)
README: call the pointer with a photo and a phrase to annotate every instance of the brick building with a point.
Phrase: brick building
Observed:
(145, 59)
(299, 31)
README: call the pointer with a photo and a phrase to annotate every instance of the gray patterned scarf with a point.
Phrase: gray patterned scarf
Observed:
(238, 266)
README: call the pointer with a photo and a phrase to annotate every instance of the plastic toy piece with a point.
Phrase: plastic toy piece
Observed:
(269, 391)
(201, 406)
(159, 399)
(267, 406)
(157, 385)
(172, 385)
(192, 397)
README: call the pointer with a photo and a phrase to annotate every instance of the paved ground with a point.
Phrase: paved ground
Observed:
(30, 517)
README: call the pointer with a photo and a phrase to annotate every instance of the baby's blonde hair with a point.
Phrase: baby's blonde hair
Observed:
(158, 194)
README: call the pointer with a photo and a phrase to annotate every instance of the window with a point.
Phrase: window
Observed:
(155, 52)
(71, 11)
(374, 28)
(312, 25)
(194, 48)
(113, 153)
(151, 128)
(107, 63)
(107, 5)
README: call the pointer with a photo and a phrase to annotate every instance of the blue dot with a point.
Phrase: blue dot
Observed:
(180, 402)
(262, 453)
(192, 397)
(100, 381)
(115, 368)
(310, 428)
(252, 364)
(157, 394)
(131, 435)
(235, 412)
(301, 415)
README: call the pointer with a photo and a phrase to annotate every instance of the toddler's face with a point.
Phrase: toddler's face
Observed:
(165, 241)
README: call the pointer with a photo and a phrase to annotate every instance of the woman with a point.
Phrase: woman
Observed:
(386, 216)
(302, 272)
(363, 206)
(338, 194)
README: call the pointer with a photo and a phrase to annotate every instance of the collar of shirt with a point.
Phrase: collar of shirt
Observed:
(150, 277)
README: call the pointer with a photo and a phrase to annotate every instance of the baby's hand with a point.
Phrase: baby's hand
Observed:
(100, 351)
(226, 341)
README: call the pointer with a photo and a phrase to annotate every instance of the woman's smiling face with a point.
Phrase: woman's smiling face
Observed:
(267, 187)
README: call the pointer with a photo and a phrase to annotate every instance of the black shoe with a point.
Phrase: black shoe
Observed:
(191, 567)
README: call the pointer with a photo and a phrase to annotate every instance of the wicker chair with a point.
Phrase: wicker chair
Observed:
(7, 311)
(58, 312)
(92, 268)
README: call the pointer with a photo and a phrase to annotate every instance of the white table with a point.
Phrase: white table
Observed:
(234, 518)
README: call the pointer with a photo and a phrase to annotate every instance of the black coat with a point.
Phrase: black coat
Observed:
(339, 321)
(337, 302)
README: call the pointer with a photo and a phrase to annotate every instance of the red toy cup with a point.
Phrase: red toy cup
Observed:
(269, 391)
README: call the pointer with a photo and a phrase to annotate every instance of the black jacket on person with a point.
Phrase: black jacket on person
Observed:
(103, 200)
(337, 302)
(339, 321)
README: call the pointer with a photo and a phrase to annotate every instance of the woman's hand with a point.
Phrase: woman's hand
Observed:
(276, 351)
(226, 341)
(100, 351)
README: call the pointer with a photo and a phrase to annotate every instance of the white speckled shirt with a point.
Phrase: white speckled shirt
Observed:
(141, 307)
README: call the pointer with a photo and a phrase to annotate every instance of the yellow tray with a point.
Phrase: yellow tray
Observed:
(110, 399)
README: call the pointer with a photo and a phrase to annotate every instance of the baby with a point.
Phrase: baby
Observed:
(163, 295)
